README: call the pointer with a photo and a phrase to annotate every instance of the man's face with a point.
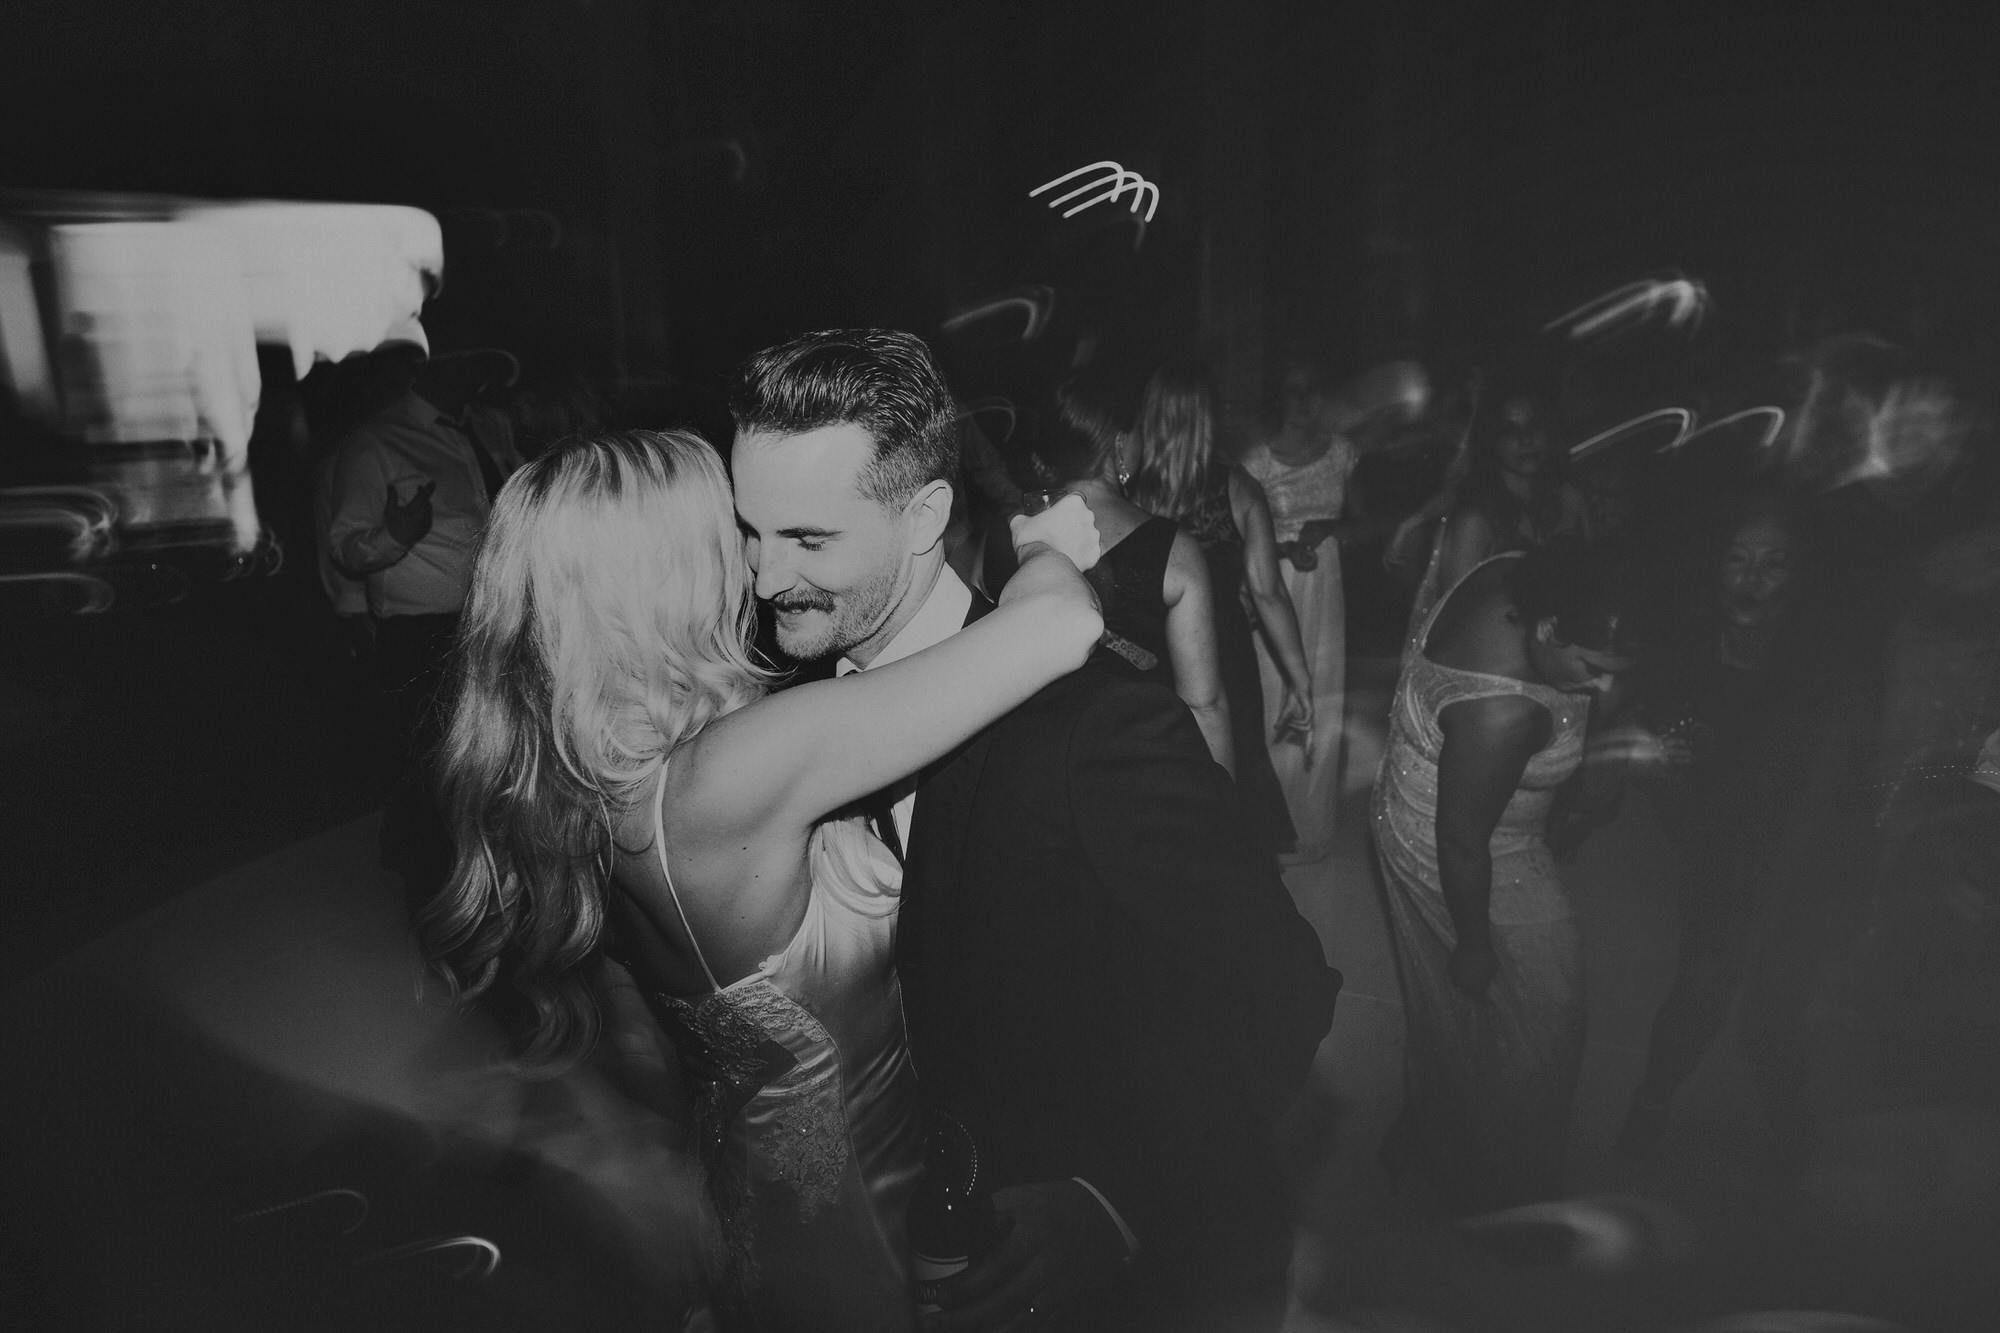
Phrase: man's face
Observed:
(832, 563)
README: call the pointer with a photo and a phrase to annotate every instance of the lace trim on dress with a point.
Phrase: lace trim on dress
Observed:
(729, 1042)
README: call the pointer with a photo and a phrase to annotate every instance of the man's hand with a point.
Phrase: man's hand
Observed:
(409, 522)
(1056, 1242)
(1472, 968)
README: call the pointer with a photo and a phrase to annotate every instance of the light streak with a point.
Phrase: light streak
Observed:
(1684, 300)
(482, 1258)
(1604, 439)
(1119, 179)
(86, 515)
(1798, 1321)
(86, 594)
(356, 1208)
(993, 406)
(1774, 417)
(1603, 1239)
(1038, 301)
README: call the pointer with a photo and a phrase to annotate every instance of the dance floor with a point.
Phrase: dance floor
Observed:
(239, 1110)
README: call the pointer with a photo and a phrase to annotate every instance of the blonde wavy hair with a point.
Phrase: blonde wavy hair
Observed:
(609, 620)
(1175, 441)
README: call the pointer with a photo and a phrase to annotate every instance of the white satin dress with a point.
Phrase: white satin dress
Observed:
(808, 1110)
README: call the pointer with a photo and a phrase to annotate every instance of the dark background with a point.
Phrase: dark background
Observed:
(645, 191)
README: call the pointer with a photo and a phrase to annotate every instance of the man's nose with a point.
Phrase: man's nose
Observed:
(773, 571)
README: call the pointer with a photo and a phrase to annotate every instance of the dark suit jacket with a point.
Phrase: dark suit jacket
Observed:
(1104, 980)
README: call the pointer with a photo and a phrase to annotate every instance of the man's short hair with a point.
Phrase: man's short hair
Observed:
(882, 380)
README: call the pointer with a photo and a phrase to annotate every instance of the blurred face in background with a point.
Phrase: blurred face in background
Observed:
(1572, 667)
(1300, 397)
(1758, 575)
(1523, 444)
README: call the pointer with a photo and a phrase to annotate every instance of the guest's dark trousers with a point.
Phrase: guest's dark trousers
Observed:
(410, 655)
(1721, 925)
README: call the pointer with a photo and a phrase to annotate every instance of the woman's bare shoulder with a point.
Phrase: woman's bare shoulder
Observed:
(1474, 628)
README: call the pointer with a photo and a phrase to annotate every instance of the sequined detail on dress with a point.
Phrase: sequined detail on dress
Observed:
(736, 1042)
(806, 1100)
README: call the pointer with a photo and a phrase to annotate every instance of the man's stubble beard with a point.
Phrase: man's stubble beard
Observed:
(855, 617)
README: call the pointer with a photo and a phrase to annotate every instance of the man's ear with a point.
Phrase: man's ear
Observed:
(1545, 630)
(928, 514)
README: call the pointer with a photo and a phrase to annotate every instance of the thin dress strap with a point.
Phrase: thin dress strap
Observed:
(1423, 641)
(660, 851)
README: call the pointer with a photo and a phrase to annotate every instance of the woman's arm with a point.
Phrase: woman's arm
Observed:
(1268, 598)
(786, 761)
(1487, 746)
(1406, 553)
(1190, 597)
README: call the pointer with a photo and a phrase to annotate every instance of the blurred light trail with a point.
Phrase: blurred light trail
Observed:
(991, 407)
(129, 325)
(1603, 1235)
(156, 341)
(1797, 1321)
(1037, 302)
(1683, 302)
(1110, 173)
(24, 359)
(1633, 428)
(1773, 418)
(330, 280)
(77, 518)
(55, 593)
(477, 1256)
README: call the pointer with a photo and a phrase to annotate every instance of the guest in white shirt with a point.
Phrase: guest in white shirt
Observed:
(411, 490)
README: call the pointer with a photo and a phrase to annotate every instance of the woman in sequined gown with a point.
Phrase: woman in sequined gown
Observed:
(1512, 494)
(1488, 720)
(622, 783)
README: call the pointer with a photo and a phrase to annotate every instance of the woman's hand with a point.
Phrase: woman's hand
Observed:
(1403, 552)
(1472, 968)
(1647, 755)
(1296, 712)
(1066, 527)
(1295, 720)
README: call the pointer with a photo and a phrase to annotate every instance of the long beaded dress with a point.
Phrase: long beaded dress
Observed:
(1310, 777)
(807, 1109)
(1488, 1081)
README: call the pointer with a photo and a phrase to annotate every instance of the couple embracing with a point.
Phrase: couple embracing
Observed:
(980, 866)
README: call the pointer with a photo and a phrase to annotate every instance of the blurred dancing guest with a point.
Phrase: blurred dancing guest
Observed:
(1152, 580)
(1730, 690)
(1511, 493)
(1302, 467)
(1923, 1004)
(619, 779)
(412, 485)
(1172, 463)
(1488, 721)
(1105, 983)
